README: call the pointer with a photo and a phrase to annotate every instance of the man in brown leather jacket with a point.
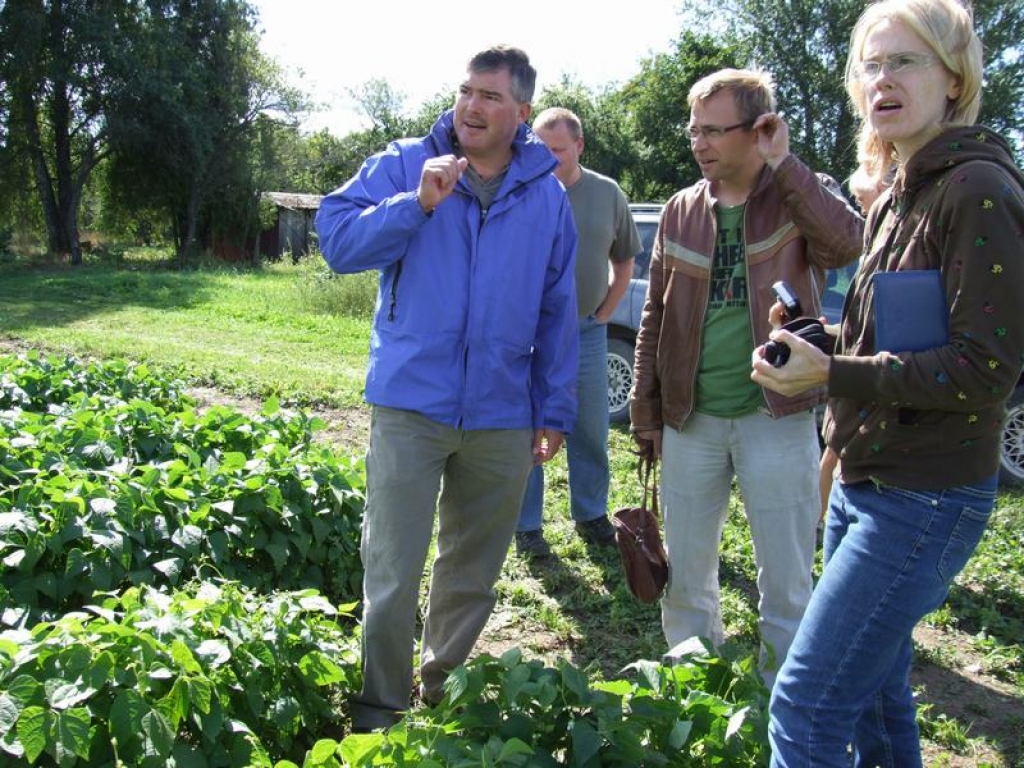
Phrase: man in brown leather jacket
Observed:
(759, 215)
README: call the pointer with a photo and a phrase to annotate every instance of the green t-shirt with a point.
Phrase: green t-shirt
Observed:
(724, 387)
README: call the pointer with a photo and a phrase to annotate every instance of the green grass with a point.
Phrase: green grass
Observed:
(282, 329)
(296, 331)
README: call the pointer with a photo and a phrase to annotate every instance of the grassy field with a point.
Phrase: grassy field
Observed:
(295, 331)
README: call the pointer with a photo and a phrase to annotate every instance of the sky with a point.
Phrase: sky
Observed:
(420, 47)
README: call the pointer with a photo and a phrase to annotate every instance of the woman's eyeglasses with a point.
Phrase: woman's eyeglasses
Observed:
(869, 69)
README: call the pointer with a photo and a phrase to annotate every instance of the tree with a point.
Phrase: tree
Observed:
(655, 102)
(383, 106)
(805, 44)
(56, 72)
(184, 124)
(1002, 105)
(608, 147)
(430, 110)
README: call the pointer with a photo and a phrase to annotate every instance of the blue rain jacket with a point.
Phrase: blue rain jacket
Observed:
(475, 324)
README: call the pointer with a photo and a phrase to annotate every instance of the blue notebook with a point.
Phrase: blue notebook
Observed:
(910, 311)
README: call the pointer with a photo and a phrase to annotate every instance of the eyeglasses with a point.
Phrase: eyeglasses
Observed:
(713, 132)
(869, 69)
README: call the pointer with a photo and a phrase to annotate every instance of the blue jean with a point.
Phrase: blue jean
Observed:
(587, 446)
(890, 557)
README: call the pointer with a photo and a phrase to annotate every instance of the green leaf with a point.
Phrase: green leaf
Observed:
(736, 722)
(182, 656)
(14, 559)
(24, 689)
(61, 694)
(517, 725)
(278, 550)
(201, 693)
(174, 706)
(33, 726)
(72, 731)
(514, 747)
(319, 669)
(157, 735)
(214, 652)
(514, 680)
(457, 683)
(45, 583)
(171, 568)
(126, 716)
(319, 603)
(586, 742)
(356, 749)
(649, 673)
(176, 494)
(576, 681)
(231, 462)
(103, 507)
(8, 713)
(189, 538)
(680, 733)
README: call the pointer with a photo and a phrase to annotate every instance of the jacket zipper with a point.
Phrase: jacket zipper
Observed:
(394, 292)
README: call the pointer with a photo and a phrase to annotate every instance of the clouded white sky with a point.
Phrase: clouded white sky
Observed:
(421, 46)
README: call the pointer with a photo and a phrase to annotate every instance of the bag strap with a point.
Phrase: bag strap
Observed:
(646, 469)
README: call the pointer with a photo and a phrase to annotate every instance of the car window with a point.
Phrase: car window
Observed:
(836, 286)
(648, 230)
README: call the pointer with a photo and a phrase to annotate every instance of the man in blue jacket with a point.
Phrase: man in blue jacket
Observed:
(473, 357)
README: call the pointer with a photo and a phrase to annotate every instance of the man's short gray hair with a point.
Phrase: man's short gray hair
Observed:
(515, 60)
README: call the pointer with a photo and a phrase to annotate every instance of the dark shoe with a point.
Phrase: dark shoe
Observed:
(597, 531)
(531, 544)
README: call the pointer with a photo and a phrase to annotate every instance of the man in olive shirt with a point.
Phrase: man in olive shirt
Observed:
(606, 234)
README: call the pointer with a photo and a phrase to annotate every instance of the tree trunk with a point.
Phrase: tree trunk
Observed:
(189, 244)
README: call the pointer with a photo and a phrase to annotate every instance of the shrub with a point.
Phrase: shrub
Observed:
(323, 291)
(213, 675)
(109, 478)
(707, 709)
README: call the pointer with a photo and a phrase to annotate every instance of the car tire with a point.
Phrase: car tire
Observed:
(1011, 454)
(620, 379)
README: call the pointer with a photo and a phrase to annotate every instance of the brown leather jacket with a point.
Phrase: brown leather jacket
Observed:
(794, 228)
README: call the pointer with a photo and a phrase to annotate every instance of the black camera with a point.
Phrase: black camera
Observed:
(807, 328)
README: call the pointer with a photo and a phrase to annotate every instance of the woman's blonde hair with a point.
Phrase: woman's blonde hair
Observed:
(947, 28)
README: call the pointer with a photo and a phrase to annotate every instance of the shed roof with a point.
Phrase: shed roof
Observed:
(294, 200)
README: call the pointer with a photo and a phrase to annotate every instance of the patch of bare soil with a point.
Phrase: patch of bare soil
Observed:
(346, 428)
(961, 689)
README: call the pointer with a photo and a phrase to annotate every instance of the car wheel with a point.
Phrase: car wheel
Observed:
(620, 379)
(1011, 457)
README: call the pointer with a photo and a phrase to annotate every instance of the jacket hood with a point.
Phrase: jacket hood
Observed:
(953, 147)
(530, 156)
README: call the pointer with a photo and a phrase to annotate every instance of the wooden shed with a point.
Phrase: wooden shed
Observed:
(293, 225)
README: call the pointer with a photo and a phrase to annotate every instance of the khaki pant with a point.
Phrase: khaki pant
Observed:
(480, 476)
(775, 463)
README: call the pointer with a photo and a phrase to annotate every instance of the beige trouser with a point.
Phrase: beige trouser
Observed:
(775, 462)
(481, 476)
